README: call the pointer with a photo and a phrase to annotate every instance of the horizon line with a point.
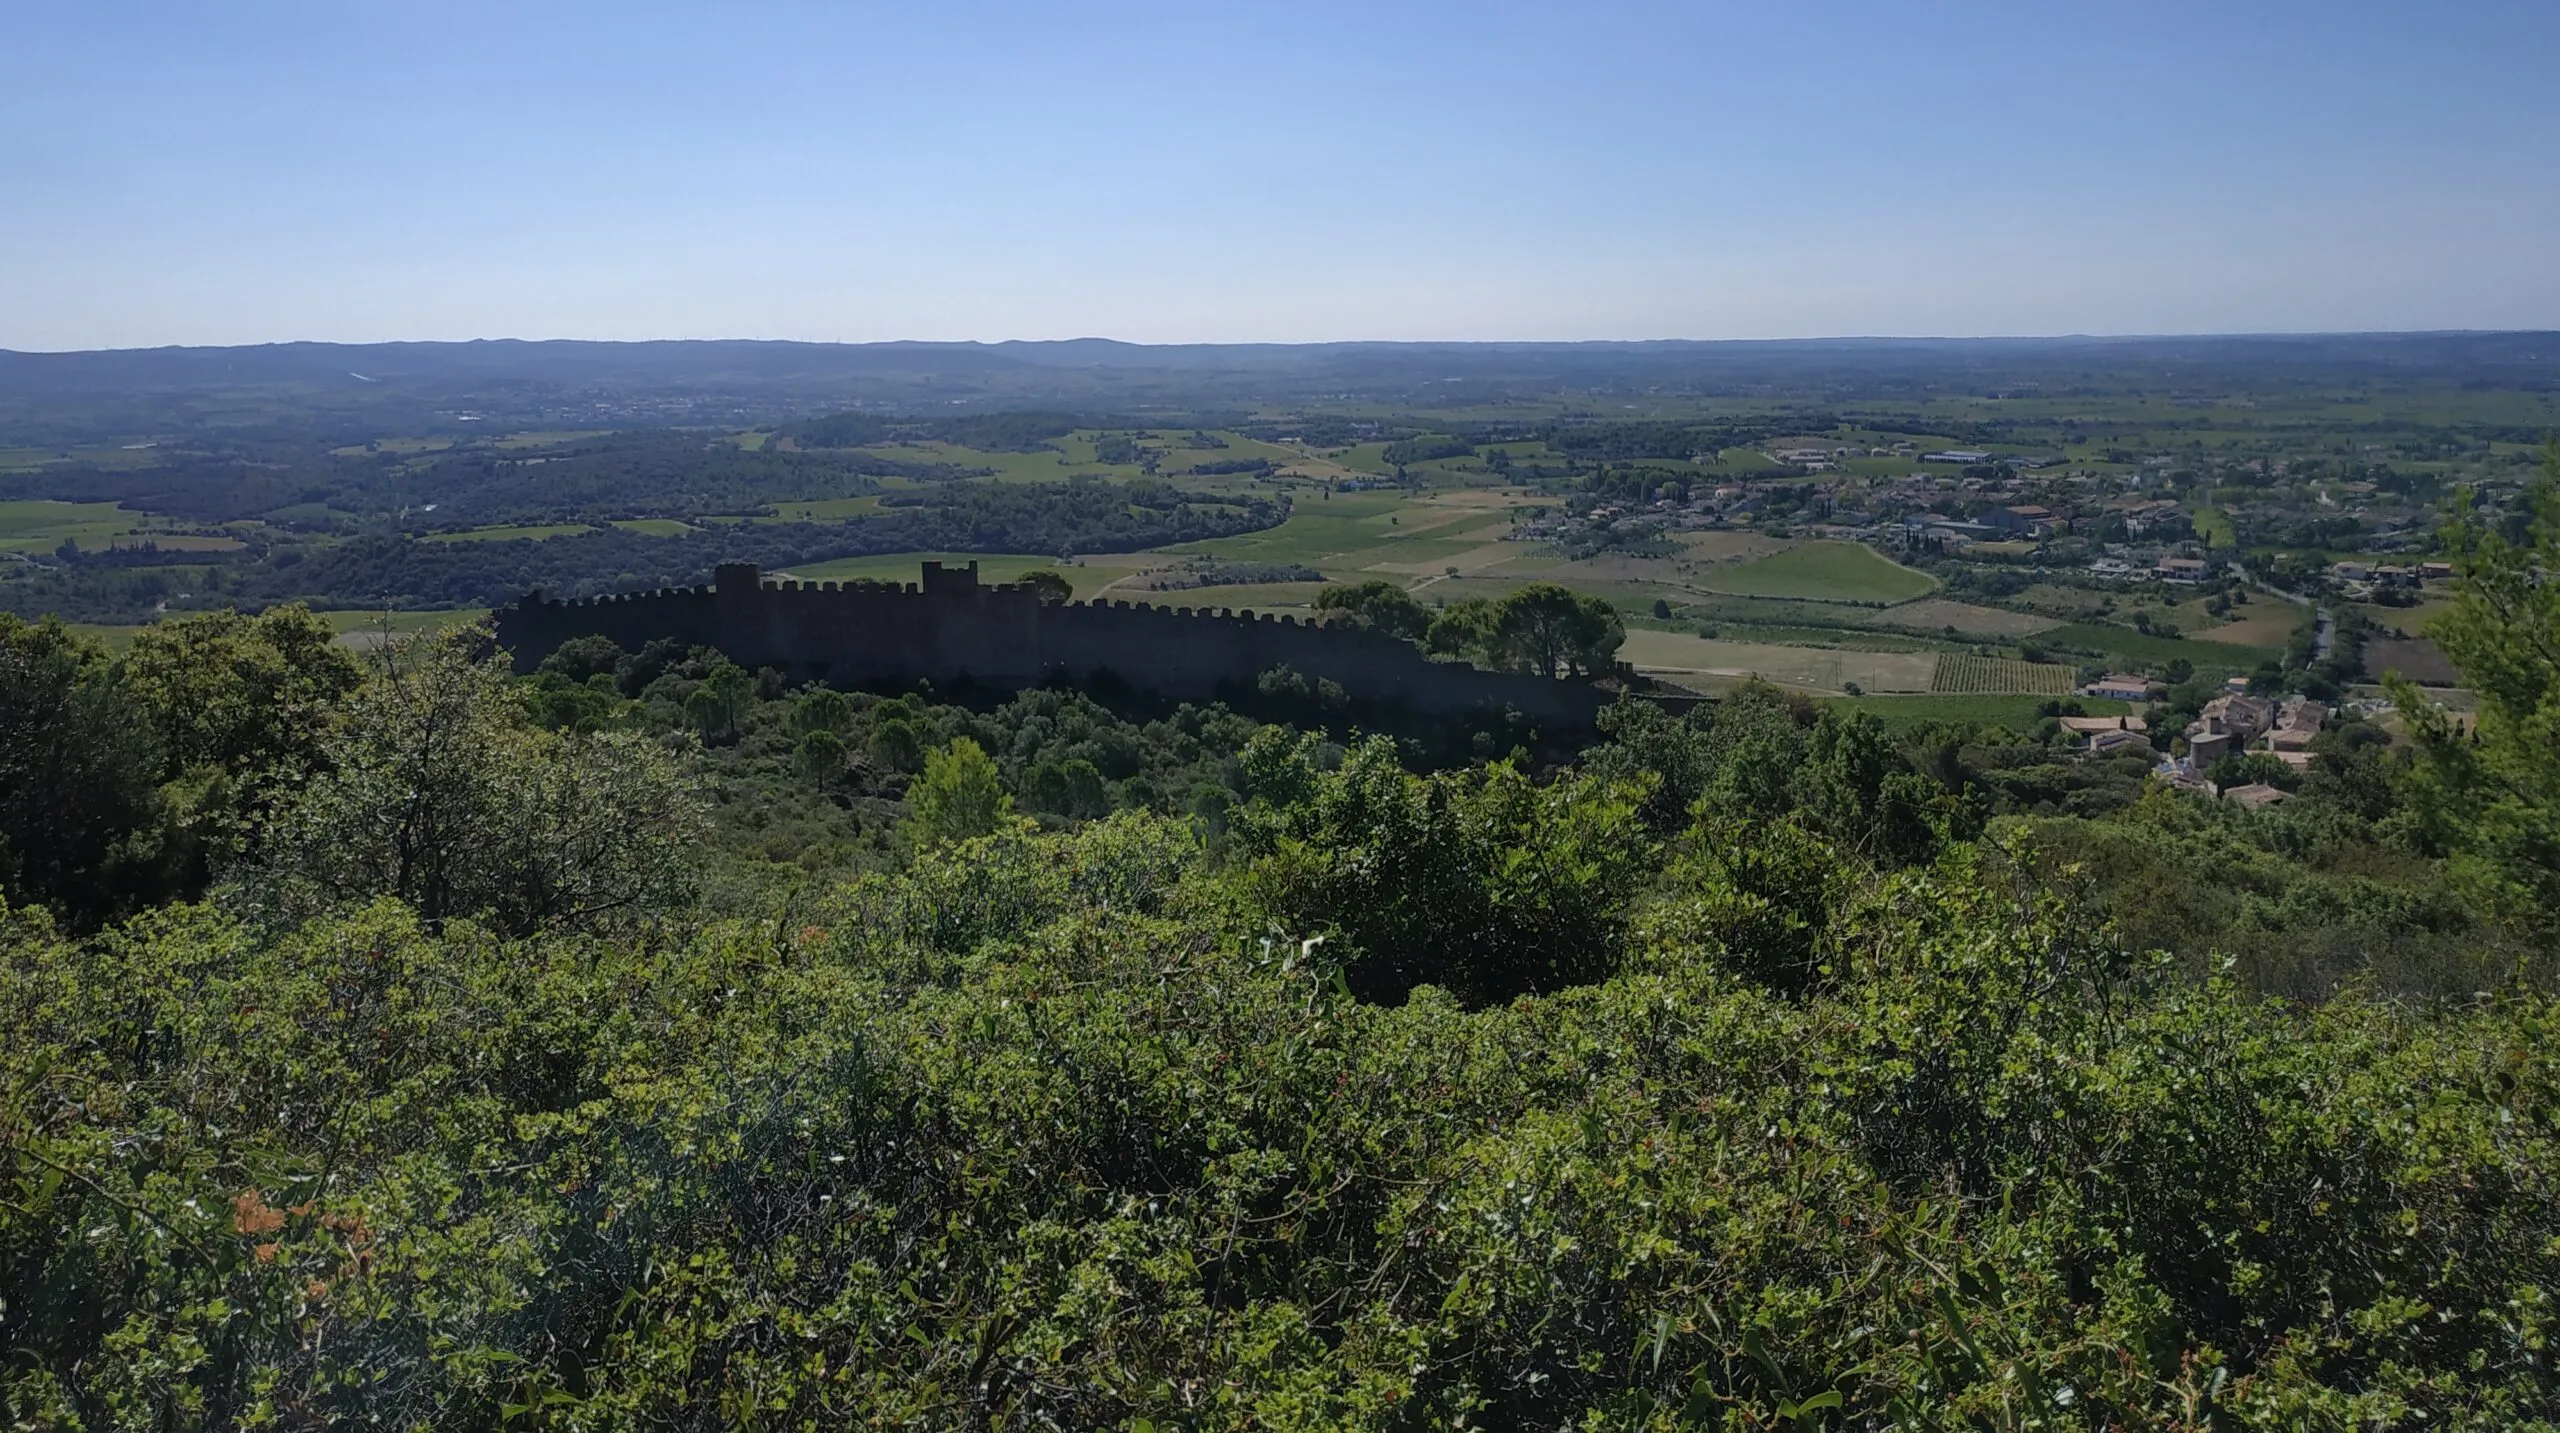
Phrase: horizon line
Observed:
(2075, 337)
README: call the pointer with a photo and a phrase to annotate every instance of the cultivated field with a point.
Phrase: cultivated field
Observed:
(1679, 656)
(2415, 658)
(1936, 614)
(1962, 674)
(2265, 623)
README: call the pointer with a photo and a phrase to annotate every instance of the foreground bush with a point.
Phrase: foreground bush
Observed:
(1057, 1131)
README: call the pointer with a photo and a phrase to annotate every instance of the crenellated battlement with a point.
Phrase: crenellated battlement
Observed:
(949, 626)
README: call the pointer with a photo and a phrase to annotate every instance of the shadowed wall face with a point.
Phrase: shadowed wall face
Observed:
(951, 626)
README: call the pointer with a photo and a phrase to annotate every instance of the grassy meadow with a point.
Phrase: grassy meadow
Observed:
(509, 534)
(41, 525)
(907, 567)
(1825, 572)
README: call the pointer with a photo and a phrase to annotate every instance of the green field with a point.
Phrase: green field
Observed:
(1368, 533)
(121, 457)
(549, 439)
(907, 566)
(41, 525)
(1824, 572)
(355, 628)
(396, 447)
(821, 509)
(1259, 597)
(2126, 644)
(27, 460)
(506, 534)
(653, 526)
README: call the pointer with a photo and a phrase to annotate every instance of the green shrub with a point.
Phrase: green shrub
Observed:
(1482, 883)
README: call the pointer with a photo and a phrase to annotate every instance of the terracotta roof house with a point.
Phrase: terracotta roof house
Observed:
(2235, 715)
(2301, 714)
(2256, 796)
(2119, 743)
(2084, 725)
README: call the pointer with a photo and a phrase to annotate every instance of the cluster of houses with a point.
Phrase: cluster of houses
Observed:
(2187, 571)
(2359, 580)
(2001, 524)
(2236, 722)
(2231, 723)
(1820, 457)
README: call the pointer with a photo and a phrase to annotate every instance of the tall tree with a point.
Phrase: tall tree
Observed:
(2491, 794)
(239, 706)
(241, 693)
(438, 792)
(721, 702)
(1052, 588)
(1464, 628)
(78, 809)
(1384, 605)
(1553, 630)
(959, 795)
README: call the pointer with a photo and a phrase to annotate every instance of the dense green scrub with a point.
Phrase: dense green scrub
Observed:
(1059, 1131)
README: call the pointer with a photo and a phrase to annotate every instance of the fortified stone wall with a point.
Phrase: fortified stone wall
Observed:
(951, 627)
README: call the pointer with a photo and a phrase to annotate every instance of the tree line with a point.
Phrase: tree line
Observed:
(397, 569)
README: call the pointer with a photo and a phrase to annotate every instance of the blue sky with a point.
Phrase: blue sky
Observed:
(246, 172)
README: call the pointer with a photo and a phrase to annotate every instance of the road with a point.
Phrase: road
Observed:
(2322, 639)
(2242, 573)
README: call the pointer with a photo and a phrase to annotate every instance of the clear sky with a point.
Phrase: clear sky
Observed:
(1232, 170)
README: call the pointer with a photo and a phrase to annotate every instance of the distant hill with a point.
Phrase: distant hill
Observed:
(59, 397)
(685, 363)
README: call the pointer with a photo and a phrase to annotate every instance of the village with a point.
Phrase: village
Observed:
(2359, 536)
(2232, 724)
(2166, 518)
